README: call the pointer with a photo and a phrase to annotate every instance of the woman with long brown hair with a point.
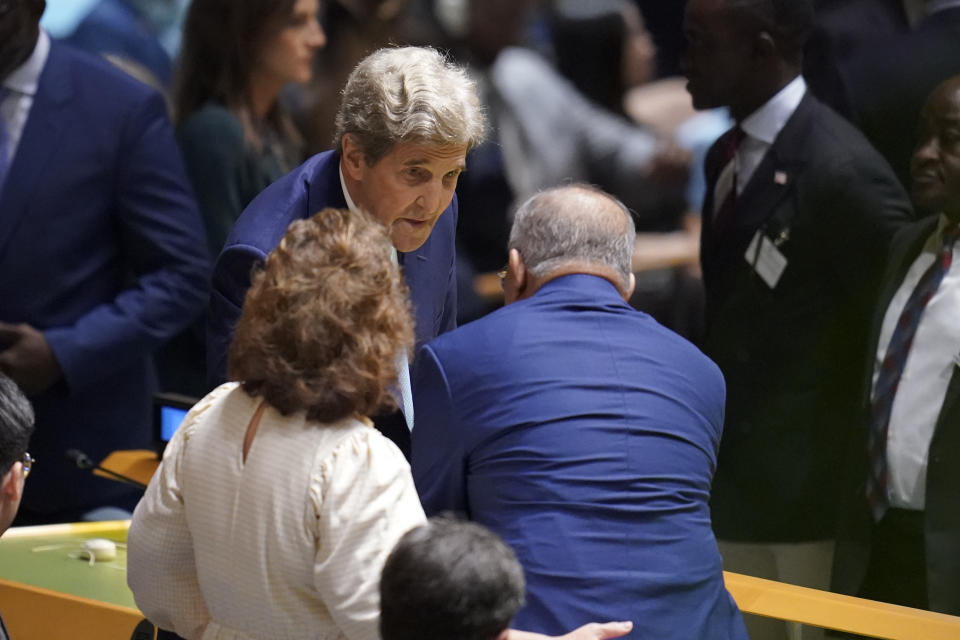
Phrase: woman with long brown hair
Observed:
(235, 135)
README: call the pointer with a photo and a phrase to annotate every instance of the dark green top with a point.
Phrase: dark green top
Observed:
(225, 170)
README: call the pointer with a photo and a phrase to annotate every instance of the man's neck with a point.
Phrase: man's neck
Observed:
(763, 94)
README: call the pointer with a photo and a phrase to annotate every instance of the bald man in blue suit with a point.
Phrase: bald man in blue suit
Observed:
(582, 432)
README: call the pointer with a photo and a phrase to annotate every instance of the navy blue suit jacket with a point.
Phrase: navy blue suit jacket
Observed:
(429, 271)
(102, 248)
(585, 435)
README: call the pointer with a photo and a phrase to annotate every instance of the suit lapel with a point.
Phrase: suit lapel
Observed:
(777, 173)
(38, 143)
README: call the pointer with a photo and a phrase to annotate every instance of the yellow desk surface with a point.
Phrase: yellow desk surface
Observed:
(45, 594)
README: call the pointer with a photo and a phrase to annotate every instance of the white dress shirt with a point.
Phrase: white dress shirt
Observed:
(761, 128)
(404, 390)
(932, 360)
(20, 87)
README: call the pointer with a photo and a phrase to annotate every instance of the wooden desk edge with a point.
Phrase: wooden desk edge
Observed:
(834, 611)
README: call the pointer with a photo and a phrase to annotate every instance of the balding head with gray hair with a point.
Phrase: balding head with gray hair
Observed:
(408, 94)
(575, 227)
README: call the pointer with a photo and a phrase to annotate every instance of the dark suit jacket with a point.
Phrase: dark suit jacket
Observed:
(429, 271)
(888, 84)
(102, 248)
(585, 435)
(844, 30)
(942, 515)
(791, 354)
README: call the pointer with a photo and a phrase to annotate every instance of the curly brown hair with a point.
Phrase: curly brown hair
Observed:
(324, 320)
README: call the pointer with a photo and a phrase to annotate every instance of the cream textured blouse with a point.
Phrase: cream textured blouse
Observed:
(286, 545)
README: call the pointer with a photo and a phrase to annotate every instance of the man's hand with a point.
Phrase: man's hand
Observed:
(592, 631)
(26, 357)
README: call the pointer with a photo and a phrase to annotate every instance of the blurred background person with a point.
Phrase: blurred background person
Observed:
(544, 132)
(235, 135)
(354, 28)
(277, 501)
(102, 252)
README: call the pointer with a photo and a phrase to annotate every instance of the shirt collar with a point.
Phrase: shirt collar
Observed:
(765, 123)
(346, 194)
(25, 78)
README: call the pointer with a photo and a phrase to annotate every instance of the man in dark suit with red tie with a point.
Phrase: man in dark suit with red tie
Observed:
(797, 219)
(900, 534)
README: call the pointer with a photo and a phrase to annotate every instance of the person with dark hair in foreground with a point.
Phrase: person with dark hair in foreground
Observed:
(16, 427)
(581, 432)
(449, 579)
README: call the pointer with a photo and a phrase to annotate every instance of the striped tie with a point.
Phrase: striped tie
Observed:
(892, 368)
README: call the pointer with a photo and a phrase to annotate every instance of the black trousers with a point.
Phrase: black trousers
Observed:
(897, 570)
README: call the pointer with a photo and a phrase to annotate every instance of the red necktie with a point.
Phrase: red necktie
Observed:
(729, 143)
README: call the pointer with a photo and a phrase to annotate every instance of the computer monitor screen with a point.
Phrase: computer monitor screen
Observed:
(169, 410)
(170, 419)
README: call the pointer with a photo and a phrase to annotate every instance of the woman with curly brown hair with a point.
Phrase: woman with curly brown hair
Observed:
(277, 502)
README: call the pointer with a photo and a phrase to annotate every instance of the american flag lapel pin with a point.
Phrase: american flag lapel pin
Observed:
(780, 177)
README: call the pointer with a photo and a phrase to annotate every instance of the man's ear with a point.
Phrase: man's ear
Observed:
(518, 270)
(503, 635)
(11, 487)
(354, 160)
(764, 46)
(631, 285)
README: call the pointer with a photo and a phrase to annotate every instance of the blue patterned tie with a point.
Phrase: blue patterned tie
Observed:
(4, 141)
(892, 368)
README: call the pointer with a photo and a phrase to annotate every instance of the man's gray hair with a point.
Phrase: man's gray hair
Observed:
(409, 94)
(577, 223)
(16, 423)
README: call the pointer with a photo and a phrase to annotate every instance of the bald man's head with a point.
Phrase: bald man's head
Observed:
(575, 227)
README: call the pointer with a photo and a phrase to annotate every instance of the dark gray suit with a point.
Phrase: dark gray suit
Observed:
(791, 355)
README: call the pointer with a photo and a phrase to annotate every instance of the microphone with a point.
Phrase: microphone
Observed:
(83, 461)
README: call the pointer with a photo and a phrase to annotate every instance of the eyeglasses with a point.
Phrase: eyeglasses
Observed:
(502, 274)
(27, 461)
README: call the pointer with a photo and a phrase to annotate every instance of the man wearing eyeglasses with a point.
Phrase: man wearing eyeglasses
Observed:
(16, 426)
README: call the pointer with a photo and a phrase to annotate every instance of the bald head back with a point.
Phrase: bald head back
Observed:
(575, 227)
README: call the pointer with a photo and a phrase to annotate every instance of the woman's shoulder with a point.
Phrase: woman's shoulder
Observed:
(357, 444)
(214, 122)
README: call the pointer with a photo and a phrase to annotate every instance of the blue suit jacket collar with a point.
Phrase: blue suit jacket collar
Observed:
(582, 285)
